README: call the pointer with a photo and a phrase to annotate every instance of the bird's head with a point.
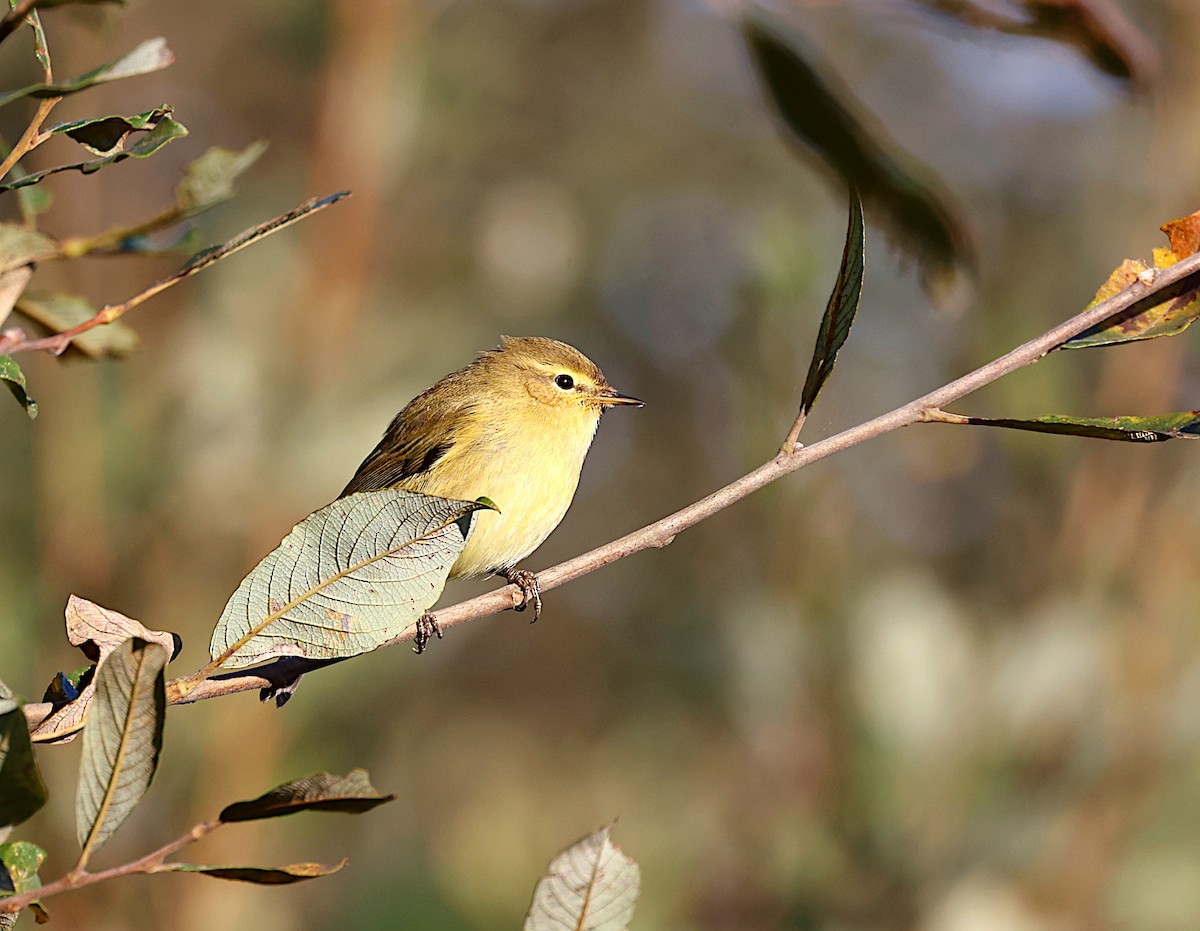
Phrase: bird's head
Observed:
(555, 377)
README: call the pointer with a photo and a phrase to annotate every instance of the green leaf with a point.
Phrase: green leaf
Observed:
(346, 579)
(59, 312)
(14, 378)
(102, 134)
(97, 632)
(22, 791)
(20, 246)
(818, 114)
(351, 793)
(840, 311)
(209, 179)
(19, 864)
(142, 146)
(152, 55)
(1155, 429)
(122, 741)
(590, 886)
(262, 876)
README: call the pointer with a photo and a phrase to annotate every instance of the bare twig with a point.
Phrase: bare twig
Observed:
(31, 138)
(78, 878)
(1138, 297)
(110, 312)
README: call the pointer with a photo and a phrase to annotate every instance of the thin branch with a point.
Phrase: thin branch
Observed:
(1138, 297)
(78, 878)
(13, 341)
(31, 138)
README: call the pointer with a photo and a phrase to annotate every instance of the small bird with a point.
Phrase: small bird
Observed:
(514, 426)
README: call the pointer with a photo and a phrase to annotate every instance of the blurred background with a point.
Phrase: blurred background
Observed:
(945, 681)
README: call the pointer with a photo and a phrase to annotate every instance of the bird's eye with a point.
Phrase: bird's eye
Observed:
(566, 382)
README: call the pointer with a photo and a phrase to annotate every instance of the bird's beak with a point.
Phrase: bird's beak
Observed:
(608, 397)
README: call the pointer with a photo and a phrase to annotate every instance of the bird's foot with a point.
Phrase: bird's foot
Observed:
(427, 626)
(531, 590)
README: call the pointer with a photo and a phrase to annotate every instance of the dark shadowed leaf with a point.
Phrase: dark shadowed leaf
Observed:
(1168, 318)
(22, 791)
(1155, 429)
(97, 632)
(20, 246)
(151, 55)
(262, 876)
(102, 134)
(122, 741)
(59, 312)
(19, 863)
(141, 146)
(819, 115)
(1096, 27)
(840, 311)
(351, 793)
(346, 579)
(590, 886)
(14, 379)
(209, 179)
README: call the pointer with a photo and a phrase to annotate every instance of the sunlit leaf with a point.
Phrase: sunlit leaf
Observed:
(102, 134)
(20, 246)
(262, 876)
(151, 55)
(1167, 318)
(122, 741)
(351, 793)
(97, 632)
(840, 311)
(819, 115)
(22, 791)
(209, 179)
(14, 379)
(1154, 429)
(590, 886)
(19, 864)
(141, 146)
(59, 312)
(346, 579)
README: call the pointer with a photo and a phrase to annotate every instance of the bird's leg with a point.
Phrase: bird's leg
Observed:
(531, 590)
(427, 626)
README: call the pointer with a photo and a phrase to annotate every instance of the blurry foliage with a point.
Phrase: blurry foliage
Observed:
(924, 689)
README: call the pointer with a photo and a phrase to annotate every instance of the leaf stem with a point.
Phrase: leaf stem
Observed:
(79, 877)
(31, 138)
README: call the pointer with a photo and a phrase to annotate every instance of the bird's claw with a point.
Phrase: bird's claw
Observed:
(531, 590)
(427, 626)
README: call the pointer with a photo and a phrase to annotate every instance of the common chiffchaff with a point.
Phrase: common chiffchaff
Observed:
(513, 426)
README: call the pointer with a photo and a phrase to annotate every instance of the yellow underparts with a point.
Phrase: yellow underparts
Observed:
(529, 470)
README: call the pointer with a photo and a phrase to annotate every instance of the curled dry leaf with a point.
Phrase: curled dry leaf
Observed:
(97, 632)
(1167, 318)
(262, 876)
(351, 793)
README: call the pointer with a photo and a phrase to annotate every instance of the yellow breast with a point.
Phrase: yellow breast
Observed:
(529, 470)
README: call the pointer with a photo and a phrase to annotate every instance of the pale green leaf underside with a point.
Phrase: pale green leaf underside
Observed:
(347, 579)
(590, 886)
(122, 740)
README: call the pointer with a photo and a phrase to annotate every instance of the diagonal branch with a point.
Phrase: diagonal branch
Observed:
(1139, 296)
